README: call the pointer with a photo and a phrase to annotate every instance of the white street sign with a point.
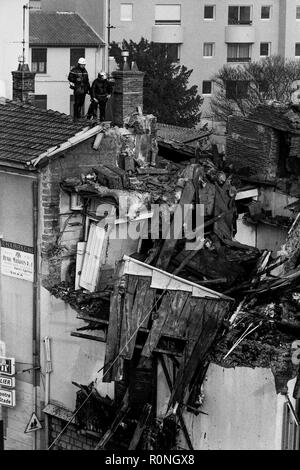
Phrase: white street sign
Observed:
(8, 398)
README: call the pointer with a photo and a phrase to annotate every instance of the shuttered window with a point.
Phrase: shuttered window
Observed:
(92, 258)
(167, 14)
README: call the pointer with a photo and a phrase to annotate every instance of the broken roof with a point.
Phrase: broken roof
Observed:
(61, 29)
(26, 132)
(184, 135)
(278, 116)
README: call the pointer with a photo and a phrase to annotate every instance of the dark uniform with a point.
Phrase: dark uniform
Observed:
(81, 86)
(100, 90)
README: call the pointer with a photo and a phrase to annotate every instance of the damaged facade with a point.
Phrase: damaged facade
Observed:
(144, 342)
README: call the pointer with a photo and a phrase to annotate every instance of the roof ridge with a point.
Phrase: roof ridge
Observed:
(35, 108)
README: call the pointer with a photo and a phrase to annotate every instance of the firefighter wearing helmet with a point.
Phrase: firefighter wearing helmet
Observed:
(79, 79)
(100, 93)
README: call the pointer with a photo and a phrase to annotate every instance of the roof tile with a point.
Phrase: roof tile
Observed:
(61, 29)
(27, 132)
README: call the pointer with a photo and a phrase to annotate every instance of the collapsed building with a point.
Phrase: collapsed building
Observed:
(145, 326)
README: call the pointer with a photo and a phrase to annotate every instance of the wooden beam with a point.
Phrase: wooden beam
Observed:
(122, 412)
(137, 346)
(142, 423)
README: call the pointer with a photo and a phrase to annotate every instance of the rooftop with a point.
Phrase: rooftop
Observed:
(26, 132)
(281, 117)
(61, 29)
(183, 135)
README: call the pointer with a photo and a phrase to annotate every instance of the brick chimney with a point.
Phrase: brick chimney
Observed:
(128, 91)
(23, 84)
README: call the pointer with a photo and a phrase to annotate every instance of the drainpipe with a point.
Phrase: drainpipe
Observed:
(2, 353)
(48, 370)
(35, 319)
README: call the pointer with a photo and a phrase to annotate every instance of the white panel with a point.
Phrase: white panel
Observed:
(239, 34)
(172, 34)
(137, 269)
(164, 281)
(92, 258)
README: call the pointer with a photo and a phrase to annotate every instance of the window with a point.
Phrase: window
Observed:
(265, 49)
(167, 14)
(239, 52)
(208, 49)
(239, 15)
(171, 51)
(75, 54)
(126, 13)
(40, 101)
(39, 60)
(206, 87)
(237, 89)
(298, 12)
(209, 12)
(297, 49)
(265, 13)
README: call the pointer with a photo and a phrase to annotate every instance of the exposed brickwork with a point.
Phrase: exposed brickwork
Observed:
(71, 439)
(79, 159)
(253, 149)
(23, 85)
(127, 94)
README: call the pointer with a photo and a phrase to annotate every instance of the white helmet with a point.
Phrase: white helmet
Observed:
(82, 61)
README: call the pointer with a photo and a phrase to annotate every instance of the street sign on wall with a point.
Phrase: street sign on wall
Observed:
(17, 261)
(7, 366)
(8, 382)
(7, 398)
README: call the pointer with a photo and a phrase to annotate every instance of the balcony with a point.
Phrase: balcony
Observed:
(169, 34)
(240, 34)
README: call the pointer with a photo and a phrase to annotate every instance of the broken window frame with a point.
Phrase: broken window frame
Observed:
(239, 52)
(236, 13)
(39, 60)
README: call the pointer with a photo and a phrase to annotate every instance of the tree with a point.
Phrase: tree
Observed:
(239, 89)
(167, 94)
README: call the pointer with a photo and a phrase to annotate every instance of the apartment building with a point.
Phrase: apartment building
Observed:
(206, 34)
